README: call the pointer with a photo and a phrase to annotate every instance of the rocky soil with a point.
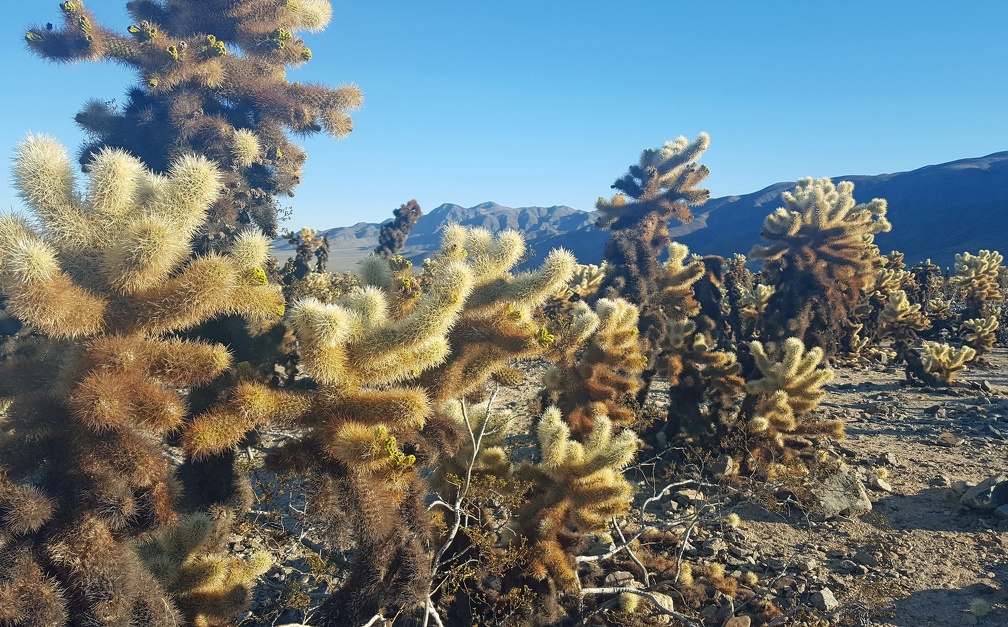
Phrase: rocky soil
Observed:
(930, 551)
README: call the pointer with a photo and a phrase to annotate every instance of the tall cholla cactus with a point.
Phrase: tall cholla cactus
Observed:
(662, 186)
(212, 81)
(579, 487)
(106, 274)
(788, 391)
(820, 258)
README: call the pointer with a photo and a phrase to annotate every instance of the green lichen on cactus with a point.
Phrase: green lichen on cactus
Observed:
(105, 276)
(579, 487)
(236, 109)
(820, 257)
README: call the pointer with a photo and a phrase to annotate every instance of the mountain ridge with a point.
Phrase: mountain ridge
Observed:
(923, 203)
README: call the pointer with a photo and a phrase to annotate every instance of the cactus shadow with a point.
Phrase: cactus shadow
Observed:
(951, 606)
(931, 509)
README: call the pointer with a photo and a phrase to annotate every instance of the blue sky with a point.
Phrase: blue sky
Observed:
(548, 102)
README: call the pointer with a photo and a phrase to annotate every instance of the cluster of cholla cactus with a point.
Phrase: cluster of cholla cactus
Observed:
(662, 186)
(212, 81)
(820, 258)
(395, 375)
(106, 279)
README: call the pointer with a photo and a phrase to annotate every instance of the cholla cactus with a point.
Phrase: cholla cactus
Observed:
(705, 384)
(901, 320)
(942, 362)
(106, 275)
(498, 324)
(979, 334)
(676, 282)
(976, 280)
(212, 80)
(578, 488)
(753, 303)
(598, 367)
(586, 280)
(189, 561)
(662, 186)
(821, 257)
(789, 390)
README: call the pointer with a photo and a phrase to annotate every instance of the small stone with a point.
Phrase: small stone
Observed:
(865, 558)
(947, 440)
(725, 466)
(888, 458)
(841, 494)
(824, 600)
(940, 481)
(880, 484)
(738, 621)
(985, 385)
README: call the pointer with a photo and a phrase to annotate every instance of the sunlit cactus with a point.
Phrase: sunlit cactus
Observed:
(661, 187)
(598, 366)
(498, 323)
(787, 392)
(753, 303)
(979, 334)
(212, 80)
(899, 318)
(976, 278)
(942, 362)
(820, 257)
(210, 586)
(106, 275)
(579, 486)
(705, 385)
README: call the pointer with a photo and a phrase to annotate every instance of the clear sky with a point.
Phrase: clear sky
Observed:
(547, 102)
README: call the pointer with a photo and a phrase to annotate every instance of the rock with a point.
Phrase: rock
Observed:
(880, 484)
(620, 578)
(940, 481)
(865, 558)
(738, 621)
(841, 494)
(989, 494)
(961, 487)
(1002, 512)
(824, 600)
(888, 458)
(947, 440)
(725, 466)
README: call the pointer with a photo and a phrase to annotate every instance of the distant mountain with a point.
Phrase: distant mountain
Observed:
(936, 211)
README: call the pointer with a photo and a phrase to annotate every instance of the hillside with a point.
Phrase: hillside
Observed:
(936, 211)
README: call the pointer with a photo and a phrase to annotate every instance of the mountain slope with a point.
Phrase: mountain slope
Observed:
(936, 211)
